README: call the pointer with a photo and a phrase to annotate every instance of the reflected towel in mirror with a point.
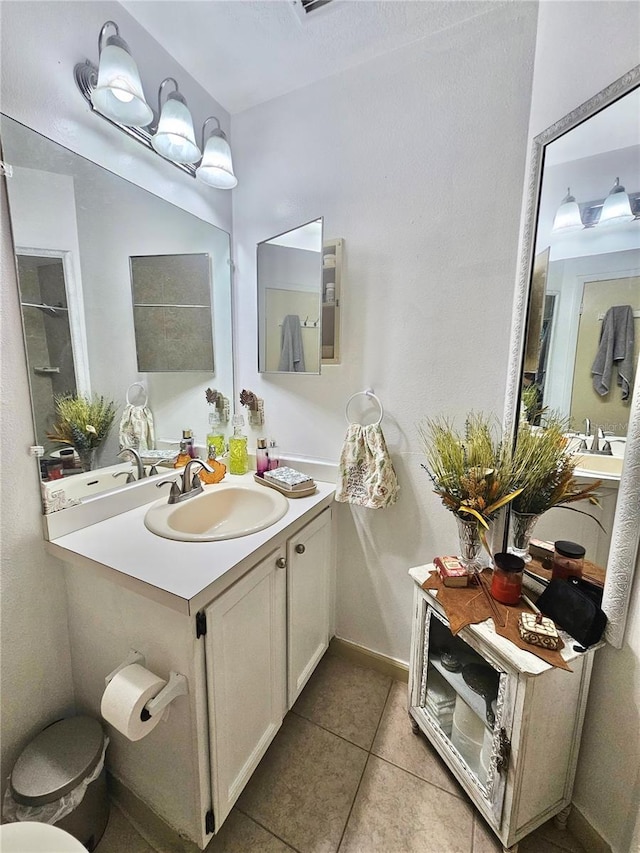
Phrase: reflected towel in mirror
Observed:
(366, 476)
(291, 351)
(136, 428)
(615, 347)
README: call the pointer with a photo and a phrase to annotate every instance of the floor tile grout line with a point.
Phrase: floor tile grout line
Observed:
(331, 732)
(353, 802)
(384, 708)
(463, 797)
(266, 829)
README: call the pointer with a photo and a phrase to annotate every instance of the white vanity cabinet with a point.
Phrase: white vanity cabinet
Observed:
(245, 621)
(515, 747)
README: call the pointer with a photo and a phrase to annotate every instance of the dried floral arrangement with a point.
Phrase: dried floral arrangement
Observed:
(472, 470)
(544, 469)
(83, 422)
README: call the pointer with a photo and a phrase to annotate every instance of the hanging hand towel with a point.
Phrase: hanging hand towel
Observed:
(615, 347)
(366, 476)
(136, 425)
(291, 352)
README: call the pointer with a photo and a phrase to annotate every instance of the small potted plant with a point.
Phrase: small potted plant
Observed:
(543, 470)
(472, 473)
(82, 422)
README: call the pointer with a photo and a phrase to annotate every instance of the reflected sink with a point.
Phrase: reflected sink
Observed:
(221, 511)
(610, 466)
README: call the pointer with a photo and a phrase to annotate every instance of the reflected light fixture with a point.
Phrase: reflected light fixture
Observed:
(617, 207)
(118, 93)
(114, 91)
(568, 216)
(216, 168)
(175, 138)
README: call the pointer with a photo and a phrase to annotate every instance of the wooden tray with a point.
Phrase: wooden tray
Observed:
(288, 493)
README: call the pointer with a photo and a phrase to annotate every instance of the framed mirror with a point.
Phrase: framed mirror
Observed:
(290, 286)
(578, 292)
(81, 234)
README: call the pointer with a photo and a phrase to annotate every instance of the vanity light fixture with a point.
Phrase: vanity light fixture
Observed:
(118, 91)
(617, 207)
(216, 168)
(175, 138)
(568, 216)
(114, 91)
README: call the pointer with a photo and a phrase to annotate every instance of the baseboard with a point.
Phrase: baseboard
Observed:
(372, 660)
(589, 837)
(158, 834)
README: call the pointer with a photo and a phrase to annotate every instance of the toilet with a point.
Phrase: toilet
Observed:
(31, 837)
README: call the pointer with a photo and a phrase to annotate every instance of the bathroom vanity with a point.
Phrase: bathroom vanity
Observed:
(516, 748)
(246, 621)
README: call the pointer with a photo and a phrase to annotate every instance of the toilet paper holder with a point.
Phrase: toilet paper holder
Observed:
(176, 686)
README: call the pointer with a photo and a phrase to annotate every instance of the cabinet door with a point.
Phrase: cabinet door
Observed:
(308, 600)
(463, 700)
(245, 659)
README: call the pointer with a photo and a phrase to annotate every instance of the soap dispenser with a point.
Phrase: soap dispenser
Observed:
(262, 459)
(238, 455)
(215, 436)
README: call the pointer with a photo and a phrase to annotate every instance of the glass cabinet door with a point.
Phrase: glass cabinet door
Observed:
(462, 701)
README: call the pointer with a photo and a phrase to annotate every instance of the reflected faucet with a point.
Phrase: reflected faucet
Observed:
(133, 452)
(587, 427)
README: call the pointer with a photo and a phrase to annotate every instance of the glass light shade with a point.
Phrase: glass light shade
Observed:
(568, 216)
(617, 207)
(216, 168)
(175, 138)
(118, 94)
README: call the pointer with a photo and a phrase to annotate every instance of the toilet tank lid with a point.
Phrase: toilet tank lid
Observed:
(57, 760)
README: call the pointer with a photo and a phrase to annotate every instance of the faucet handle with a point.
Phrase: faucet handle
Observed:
(174, 494)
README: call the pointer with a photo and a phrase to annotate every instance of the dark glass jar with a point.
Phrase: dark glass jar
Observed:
(506, 583)
(568, 560)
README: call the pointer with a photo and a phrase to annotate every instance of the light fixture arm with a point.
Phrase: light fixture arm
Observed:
(616, 188)
(103, 31)
(217, 132)
(161, 89)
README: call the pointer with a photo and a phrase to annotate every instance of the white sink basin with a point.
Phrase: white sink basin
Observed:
(221, 511)
(608, 466)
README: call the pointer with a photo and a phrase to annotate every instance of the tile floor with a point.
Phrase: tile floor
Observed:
(345, 773)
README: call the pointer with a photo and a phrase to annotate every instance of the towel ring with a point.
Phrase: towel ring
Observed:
(137, 385)
(368, 393)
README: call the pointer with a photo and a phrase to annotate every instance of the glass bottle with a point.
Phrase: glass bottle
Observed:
(262, 459)
(187, 437)
(274, 456)
(183, 456)
(219, 468)
(238, 454)
(215, 435)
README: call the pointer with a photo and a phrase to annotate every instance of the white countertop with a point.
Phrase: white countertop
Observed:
(181, 575)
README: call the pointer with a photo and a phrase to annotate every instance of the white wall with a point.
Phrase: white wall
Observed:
(417, 160)
(574, 46)
(40, 44)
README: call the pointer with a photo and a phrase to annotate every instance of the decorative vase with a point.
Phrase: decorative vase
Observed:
(87, 458)
(522, 524)
(470, 543)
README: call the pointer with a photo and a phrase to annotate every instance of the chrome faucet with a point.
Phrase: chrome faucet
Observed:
(190, 487)
(587, 427)
(139, 466)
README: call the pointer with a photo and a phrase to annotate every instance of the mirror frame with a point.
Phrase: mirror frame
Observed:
(625, 535)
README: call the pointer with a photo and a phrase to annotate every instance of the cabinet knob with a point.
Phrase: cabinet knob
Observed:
(300, 549)
(281, 563)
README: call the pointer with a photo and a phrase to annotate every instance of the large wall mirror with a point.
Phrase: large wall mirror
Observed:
(91, 249)
(576, 333)
(290, 300)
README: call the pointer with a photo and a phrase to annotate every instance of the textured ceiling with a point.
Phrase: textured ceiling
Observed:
(245, 52)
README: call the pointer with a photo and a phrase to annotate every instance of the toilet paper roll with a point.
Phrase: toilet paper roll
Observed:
(126, 695)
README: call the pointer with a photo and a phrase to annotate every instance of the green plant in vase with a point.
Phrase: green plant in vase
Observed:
(543, 469)
(82, 422)
(472, 473)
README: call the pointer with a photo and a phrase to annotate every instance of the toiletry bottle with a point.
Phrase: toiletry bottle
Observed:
(219, 469)
(183, 456)
(262, 459)
(187, 437)
(274, 455)
(215, 435)
(238, 456)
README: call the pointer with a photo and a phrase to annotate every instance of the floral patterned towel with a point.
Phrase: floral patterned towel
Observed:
(136, 428)
(365, 472)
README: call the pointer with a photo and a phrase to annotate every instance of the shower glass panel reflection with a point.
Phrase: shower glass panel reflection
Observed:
(45, 315)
